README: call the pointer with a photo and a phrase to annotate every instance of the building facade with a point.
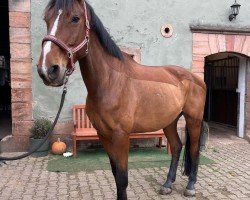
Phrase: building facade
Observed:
(194, 34)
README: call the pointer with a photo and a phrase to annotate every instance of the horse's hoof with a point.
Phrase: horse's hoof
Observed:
(189, 193)
(165, 191)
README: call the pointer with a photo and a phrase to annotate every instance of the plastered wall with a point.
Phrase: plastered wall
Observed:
(135, 24)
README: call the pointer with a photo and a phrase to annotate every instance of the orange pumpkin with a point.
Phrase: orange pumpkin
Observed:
(58, 147)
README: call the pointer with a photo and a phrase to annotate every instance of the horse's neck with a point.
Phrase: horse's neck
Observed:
(96, 67)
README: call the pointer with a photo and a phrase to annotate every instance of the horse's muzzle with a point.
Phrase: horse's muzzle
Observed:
(41, 73)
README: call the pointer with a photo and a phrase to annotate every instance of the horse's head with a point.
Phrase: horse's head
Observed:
(67, 22)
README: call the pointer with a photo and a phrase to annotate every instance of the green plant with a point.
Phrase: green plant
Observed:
(40, 128)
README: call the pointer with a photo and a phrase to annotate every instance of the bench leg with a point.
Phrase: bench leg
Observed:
(74, 146)
(160, 142)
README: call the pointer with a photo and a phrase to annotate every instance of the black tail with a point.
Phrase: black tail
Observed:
(187, 156)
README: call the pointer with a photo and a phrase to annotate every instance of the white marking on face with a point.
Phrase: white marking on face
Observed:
(47, 46)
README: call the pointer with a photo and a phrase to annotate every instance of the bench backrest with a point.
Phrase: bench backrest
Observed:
(80, 118)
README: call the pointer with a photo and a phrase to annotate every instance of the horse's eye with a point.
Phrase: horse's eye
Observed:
(75, 19)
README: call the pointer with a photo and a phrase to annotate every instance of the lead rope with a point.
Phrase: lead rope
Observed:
(3, 159)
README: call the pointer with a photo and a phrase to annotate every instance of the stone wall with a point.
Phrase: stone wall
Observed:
(21, 75)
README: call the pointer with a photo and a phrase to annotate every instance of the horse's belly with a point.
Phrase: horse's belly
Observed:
(157, 107)
(153, 122)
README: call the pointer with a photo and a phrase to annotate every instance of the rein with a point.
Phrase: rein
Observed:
(71, 51)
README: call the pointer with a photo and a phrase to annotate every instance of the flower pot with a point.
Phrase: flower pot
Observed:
(42, 151)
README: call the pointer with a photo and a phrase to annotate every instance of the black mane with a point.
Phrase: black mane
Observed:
(95, 24)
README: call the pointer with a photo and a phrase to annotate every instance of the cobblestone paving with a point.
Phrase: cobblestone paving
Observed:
(228, 178)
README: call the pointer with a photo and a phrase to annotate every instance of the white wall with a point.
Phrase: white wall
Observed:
(242, 99)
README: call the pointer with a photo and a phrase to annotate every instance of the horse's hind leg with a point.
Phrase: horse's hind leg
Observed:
(192, 150)
(176, 146)
(118, 149)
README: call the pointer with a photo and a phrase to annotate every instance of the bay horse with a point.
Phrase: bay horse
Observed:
(123, 96)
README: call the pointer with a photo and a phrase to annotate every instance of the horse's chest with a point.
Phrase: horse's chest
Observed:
(93, 117)
(108, 120)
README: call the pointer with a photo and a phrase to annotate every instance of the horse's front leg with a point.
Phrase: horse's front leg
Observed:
(118, 149)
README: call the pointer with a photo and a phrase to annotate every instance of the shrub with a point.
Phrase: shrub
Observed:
(40, 128)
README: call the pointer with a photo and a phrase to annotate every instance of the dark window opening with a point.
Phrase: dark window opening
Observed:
(5, 88)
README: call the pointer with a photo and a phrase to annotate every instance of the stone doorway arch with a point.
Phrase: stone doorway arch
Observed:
(213, 40)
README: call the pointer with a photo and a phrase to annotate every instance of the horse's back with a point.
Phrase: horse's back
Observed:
(183, 74)
(169, 74)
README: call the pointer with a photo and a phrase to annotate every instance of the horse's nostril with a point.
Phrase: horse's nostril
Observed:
(54, 69)
(53, 72)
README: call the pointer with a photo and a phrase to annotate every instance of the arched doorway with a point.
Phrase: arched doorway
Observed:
(216, 41)
(225, 76)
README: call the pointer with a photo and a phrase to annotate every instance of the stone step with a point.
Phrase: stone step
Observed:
(13, 144)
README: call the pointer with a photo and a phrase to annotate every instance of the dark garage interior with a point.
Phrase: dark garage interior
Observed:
(5, 88)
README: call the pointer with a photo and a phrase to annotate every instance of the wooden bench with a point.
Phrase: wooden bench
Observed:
(83, 129)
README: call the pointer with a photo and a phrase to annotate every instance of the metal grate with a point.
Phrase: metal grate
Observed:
(222, 74)
(221, 77)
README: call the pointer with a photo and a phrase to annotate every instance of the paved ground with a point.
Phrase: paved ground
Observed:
(228, 178)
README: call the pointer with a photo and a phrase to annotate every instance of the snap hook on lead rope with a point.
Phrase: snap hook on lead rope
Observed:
(65, 84)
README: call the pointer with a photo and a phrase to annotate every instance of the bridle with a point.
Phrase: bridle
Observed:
(71, 51)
